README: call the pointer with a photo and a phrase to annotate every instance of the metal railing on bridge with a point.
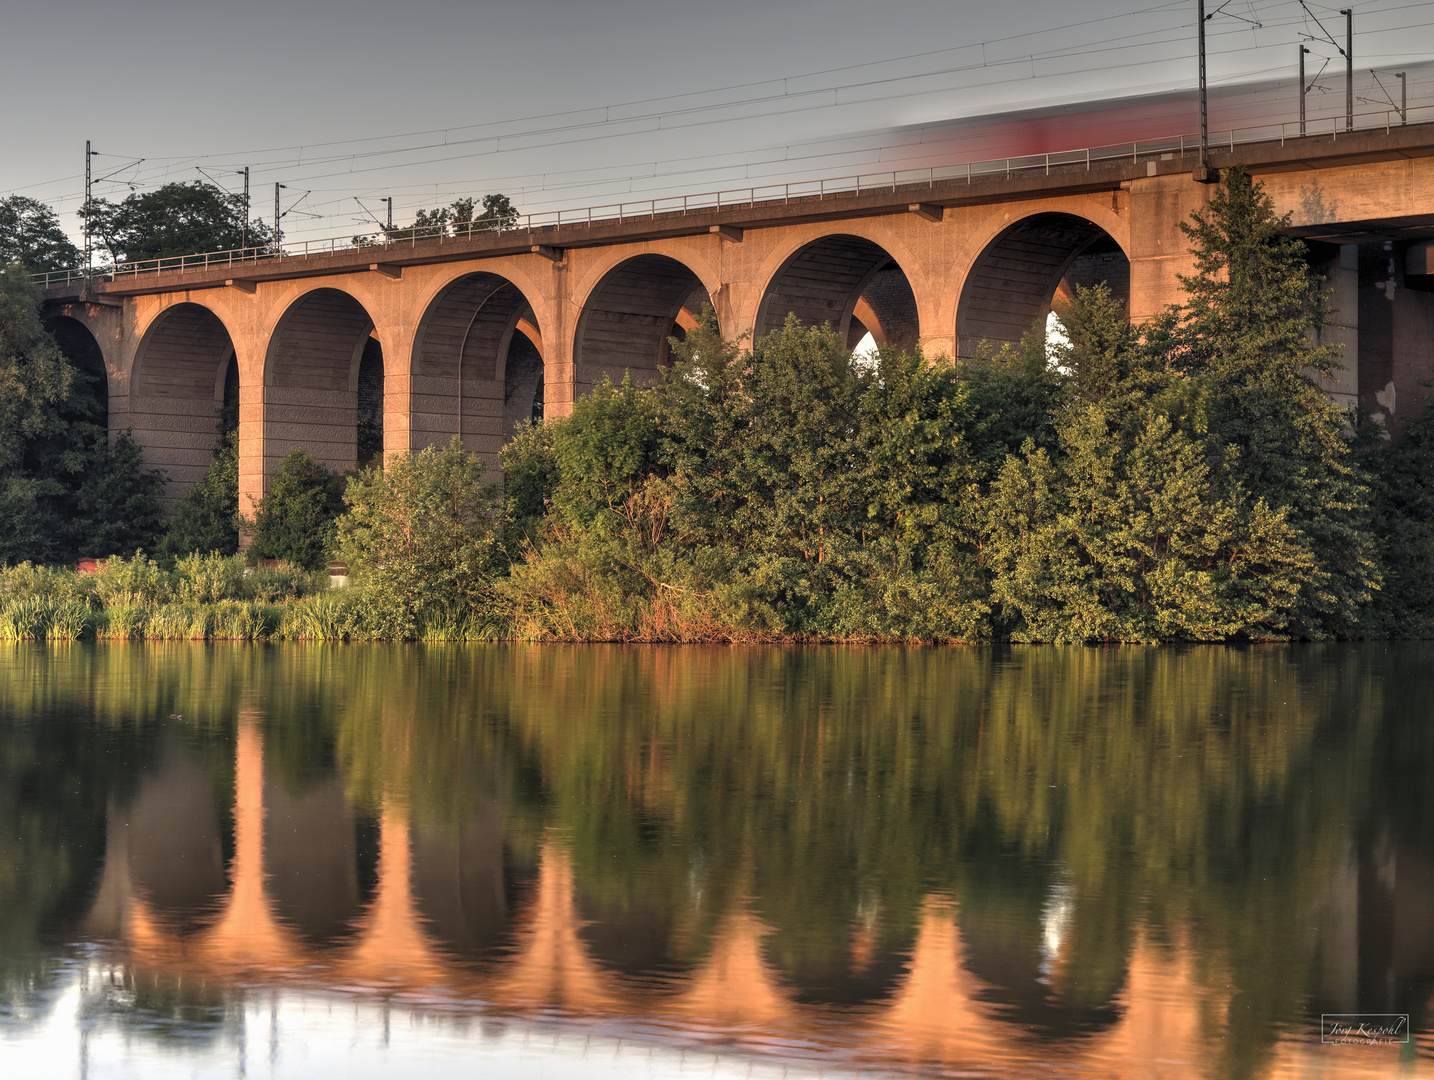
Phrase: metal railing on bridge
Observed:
(537, 225)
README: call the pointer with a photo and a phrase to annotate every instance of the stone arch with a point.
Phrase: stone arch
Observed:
(311, 379)
(1026, 267)
(477, 364)
(848, 281)
(177, 393)
(82, 349)
(629, 315)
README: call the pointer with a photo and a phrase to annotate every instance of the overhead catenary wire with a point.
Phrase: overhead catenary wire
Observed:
(861, 87)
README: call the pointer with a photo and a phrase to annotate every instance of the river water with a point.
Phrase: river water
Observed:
(329, 861)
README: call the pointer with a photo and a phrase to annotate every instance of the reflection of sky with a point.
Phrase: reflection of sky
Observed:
(307, 1035)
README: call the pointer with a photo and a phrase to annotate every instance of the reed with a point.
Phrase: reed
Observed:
(122, 622)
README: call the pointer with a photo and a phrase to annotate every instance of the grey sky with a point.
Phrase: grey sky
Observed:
(226, 85)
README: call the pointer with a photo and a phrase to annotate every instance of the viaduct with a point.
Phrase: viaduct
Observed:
(466, 337)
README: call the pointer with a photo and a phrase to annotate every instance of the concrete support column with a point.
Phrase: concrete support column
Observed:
(1159, 252)
(251, 446)
(1343, 333)
(397, 340)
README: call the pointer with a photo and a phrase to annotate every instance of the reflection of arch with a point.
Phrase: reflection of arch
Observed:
(176, 391)
(310, 858)
(630, 314)
(865, 971)
(475, 331)
(849, 282)
(466, 887)
(311, 379)
(179, 870)
(1011, 285)
(631, 936)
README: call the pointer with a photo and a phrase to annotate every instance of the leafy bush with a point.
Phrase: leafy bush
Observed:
(294, 521)
(206, 579)
(120, 582)
(207, 518)
(49, 582)
(422, 535)
(65, 490)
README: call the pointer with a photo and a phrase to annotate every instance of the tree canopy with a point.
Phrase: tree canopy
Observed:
(30, 235)
(64, 489)
(176, 219)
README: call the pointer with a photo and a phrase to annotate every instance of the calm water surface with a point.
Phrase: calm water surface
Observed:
(363, 861)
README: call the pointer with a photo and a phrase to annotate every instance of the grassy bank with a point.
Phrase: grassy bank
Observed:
(205, 598)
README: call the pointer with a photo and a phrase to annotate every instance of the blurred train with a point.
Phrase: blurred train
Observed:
(1249, 108)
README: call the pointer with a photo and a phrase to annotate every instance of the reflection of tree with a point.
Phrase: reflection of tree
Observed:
(58, 772)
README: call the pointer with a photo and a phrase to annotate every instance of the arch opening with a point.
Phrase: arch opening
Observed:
(177, 394)
(1031, 268)
(477, 365)
(83, 351)
(311, 380)
(629, 316)
(849, 282)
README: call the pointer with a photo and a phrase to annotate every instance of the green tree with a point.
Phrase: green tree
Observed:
(65, 490)
(604, 454)
(1404, 524)
(1245, 327)
(294, 521)
(461, 217)
(1137, 527)
(206, 519)
(30, 235)
(423, 536)
(176, 219)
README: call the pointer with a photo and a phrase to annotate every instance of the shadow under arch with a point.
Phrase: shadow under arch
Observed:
(1016, 279)
(177, 393)
(82, 350)
(311, 379)
(628, 317)
(848, 281)
(477, 365)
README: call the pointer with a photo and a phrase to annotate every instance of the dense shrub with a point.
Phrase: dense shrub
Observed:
(294, 521)
(421, 537)
(65, 490)
(207, 518)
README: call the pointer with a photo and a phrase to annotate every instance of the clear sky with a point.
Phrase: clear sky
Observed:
(564, 104)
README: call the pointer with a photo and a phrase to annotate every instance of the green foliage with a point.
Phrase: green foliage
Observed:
(1245, 328)
(421, 536)
(207, 517)
(30, 235)
(603, 451)
(1404, 524)
(462, 217)
(1182, 480)
(64, 489)
(175, 219)
(35, 381)
(1136, 527)
(137, 581)
(530, 476)
(294, 521)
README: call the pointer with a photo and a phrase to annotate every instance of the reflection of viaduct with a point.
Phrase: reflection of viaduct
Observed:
(436, 339)
(440, 923)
